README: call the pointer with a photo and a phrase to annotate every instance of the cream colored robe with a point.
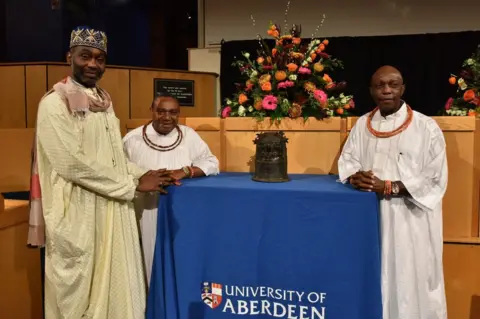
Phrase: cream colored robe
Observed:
(93, 262)
(411, 227)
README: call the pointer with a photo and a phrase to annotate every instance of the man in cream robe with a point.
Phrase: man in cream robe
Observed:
(413, 162)
(93, 263)
(189, 157)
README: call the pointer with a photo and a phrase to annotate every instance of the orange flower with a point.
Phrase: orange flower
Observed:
(330, 85)
(273, 27)
(346, 106)
(452, 80)
(325, 42)
(242, 98)
(274, 52)
(292, 67)
(296, 41)
(297, 55)
(321, 47)
(469, 95)
(313, 56)
(318, 67)
(275, 34)
(264, 78)
(258, 104)
(327, 78)
(249, 85)
(266, 86)
(269, 59)
(280, 75)
(472, 113)
(309, 86)
(270, 32)
(260, 60)
(339, 111)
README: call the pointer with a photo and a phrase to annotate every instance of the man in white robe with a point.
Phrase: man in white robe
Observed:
(408, 169)
(93, 262)
(166, 144)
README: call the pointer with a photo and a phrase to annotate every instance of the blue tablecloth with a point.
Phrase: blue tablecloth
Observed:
(229, 247)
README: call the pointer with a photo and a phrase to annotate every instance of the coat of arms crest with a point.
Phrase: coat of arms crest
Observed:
(212, 294)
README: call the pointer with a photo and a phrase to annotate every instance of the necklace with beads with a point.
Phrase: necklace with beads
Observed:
(398, 130)
(162, 148)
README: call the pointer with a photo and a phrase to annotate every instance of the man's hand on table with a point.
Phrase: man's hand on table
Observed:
(155, 181)
(367, 182)
(178, 175)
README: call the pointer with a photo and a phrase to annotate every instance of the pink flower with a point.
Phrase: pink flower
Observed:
(320, 96)
(304, 70)
(226, 112)
(352, 103)
(269, 102)
(285, 84)
(449, 103)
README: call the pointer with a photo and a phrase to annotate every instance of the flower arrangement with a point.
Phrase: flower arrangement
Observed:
(291, 80)
(467, 101)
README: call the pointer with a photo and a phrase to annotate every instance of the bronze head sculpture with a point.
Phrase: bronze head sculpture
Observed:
(271, 157)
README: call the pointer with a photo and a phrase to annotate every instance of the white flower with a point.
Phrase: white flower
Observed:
(250, 109)
(449, 111)
(241, 110)
(292, 77)
(317, 41)
(343, 100)
(470, 62)
(254, 74)
(305, 63)
(330, 112)
(285, 101)
(309, 60)
(342, 95)
(229, 102)
(246, 54)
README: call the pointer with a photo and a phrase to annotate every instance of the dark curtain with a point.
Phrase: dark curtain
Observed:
(425, 60)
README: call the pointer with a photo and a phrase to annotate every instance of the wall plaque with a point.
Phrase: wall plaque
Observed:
(182, 90)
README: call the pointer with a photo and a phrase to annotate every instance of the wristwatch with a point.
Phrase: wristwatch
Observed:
(395, 188)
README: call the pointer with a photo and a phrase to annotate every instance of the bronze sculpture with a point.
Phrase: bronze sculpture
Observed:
(271, 157)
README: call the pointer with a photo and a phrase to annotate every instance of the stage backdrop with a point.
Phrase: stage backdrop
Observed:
(426, 61)
(231, 20)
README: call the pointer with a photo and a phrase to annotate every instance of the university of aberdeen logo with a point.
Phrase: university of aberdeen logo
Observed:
(212, 294)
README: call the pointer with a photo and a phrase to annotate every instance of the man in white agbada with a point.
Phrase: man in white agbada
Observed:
(400, 154)
(176, 148)
(93, 262)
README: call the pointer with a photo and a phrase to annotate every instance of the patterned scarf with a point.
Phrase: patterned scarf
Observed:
(79, 104)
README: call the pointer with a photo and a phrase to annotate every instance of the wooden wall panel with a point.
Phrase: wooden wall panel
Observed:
(15, 168)
(462, 280)
(56, 73)
(20, 271)
(116, 83)
(36, 84)
(12, 97)
(142, 91)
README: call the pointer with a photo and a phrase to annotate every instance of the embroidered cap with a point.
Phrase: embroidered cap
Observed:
(88, 37)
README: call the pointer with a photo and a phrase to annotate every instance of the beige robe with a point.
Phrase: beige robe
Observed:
(93, 263)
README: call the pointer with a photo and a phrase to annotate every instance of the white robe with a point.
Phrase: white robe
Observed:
(192, 151)
(411, 227)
